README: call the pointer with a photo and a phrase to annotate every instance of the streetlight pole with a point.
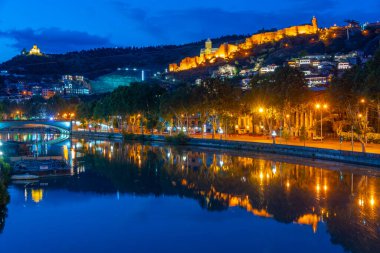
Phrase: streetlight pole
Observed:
(321, 127)
(365, 121)
(261, 111)
(319, 107)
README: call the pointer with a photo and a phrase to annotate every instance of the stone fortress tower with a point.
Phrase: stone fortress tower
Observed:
(208, 48)
(314, 23)
(227, 51)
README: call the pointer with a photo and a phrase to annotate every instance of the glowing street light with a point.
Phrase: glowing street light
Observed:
(318, 106)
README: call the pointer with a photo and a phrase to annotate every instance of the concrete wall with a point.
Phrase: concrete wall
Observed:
(315, 153)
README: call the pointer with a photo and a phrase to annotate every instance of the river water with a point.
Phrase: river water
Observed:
(156, 198)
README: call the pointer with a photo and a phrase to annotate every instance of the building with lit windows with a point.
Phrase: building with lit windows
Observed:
(344, 65)
(268, 69)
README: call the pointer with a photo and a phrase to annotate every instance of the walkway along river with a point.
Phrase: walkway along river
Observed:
(309, 152)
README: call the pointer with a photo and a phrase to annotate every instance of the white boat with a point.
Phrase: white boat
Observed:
(24, 177)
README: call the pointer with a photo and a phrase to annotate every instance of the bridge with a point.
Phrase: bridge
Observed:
(64, 127)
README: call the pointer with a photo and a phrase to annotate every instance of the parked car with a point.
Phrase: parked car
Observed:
(318, 138)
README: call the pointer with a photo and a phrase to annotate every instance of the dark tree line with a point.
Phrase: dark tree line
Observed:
(356, 99)
(215, 102)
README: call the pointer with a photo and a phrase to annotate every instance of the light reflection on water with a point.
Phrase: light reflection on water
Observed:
(32, 143)
(343, 202)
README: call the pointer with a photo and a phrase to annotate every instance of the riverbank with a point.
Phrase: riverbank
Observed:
(5, 171)
(369, 159)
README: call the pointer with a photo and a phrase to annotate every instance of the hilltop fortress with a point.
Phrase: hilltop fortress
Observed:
(225, 51)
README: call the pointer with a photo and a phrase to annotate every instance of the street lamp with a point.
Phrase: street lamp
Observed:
(321, 107)
(365, 116)
(288, 120)
(261, 111)
(18, 114)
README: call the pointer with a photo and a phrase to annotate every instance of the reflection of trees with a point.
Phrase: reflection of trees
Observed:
(288, 207)
(354, 234)
(355, 227)
(286, 192)
(4, 200)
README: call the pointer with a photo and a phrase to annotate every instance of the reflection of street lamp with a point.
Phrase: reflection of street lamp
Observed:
(321, 107)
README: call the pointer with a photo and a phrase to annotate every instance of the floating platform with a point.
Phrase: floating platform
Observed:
(24, 177)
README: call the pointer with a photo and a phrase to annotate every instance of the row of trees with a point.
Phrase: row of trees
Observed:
(215, 102)
(38, 107)
(153, 106)
(356, 100)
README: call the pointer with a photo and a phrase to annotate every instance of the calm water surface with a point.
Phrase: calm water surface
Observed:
(144, 198)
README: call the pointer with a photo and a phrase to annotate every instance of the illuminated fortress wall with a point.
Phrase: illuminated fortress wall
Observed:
(226, 51)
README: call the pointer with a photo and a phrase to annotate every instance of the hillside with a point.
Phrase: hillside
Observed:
(278, 52)
(97, 62)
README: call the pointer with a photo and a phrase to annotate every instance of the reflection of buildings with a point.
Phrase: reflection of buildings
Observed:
(346, 203)
(36, 195)
(309, 219)
(265, 188)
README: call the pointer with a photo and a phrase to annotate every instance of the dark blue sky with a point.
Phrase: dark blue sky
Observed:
(58, 26)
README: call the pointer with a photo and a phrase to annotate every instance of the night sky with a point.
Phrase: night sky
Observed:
(59, 26)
